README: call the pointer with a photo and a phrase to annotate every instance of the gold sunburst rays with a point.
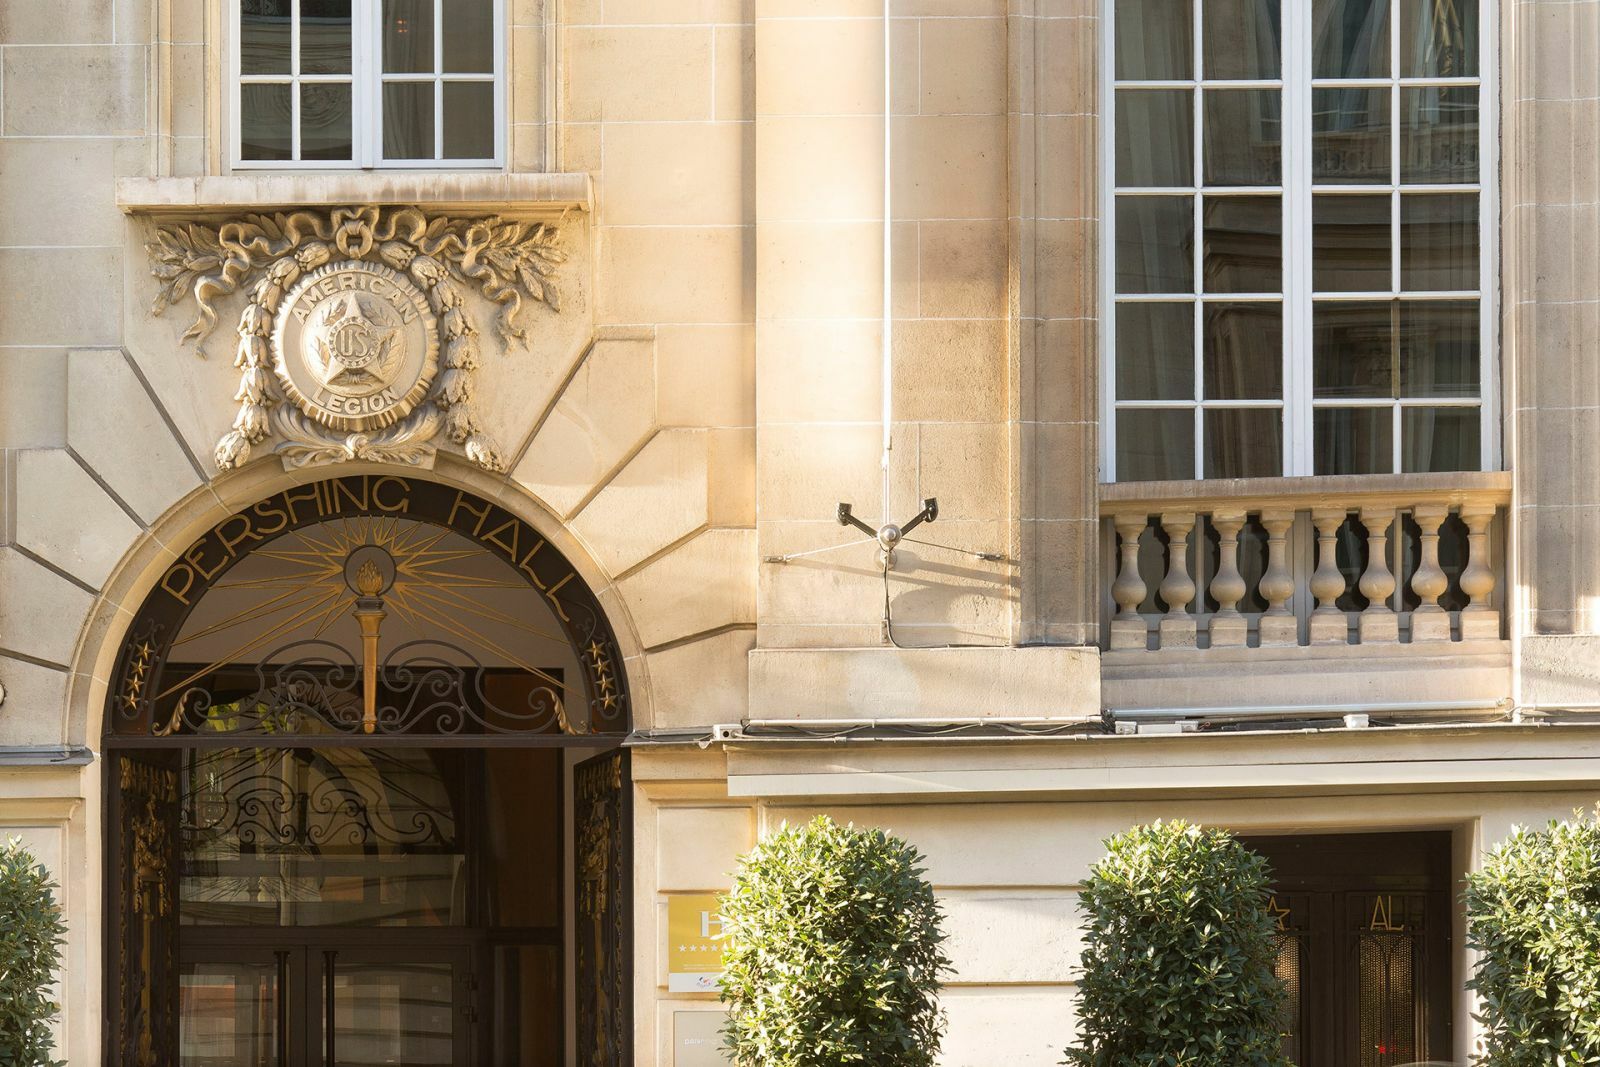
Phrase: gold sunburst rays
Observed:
(431, 592)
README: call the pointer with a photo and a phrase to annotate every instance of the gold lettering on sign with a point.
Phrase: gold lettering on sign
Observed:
(401, 503)
(228, 539)
(464, 504)
(1383, 916)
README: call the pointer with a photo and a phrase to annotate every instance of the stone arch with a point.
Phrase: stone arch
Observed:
(153, 554)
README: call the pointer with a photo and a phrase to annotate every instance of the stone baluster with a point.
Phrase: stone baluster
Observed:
(1378, 623)
(1228, 626)
(1278, 625)
(1128, 628)
(1479, 619)
(1328, 624)
(1177, 588)
(1430, 622)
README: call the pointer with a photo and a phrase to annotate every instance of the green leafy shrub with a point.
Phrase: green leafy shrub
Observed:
(31, 936)
(1533, 914)
(832, 952)
(1177, 963)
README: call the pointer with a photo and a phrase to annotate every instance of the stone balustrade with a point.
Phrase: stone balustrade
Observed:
(1275, 562)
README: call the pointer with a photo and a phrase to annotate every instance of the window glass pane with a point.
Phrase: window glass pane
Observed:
(1155, 445)
(1438, 38)
(324, 36)
(1244, 443)
(408, 120)
(1349, 135)
(468, 120)
(468, 36)
(1242, 39)
(325, 121)
(1155, 244)
(408, 37)
(1439, 439)
(1350, 38)
(266, 115)
(1439, 348)
(1243, 137)
(1350, 244)
(1352, 349)
(228, 1013)
(302, 837)
(264, 37)
(1439, 241)
(1155, 351)
(1155, 137)
(1354, 440)
(1244, 351)
(1439, 134)
(1244, 244)
(394, 1013)
(1155, 40)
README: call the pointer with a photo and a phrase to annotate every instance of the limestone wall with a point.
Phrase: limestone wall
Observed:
(1008, 876)
(1550, 214)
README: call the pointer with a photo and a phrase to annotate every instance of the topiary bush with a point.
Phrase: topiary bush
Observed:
(1533, 914)
(31, 936)
(1179, 946)
(832, 952)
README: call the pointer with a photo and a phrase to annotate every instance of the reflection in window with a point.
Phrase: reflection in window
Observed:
(320, 837)
(1362, 348)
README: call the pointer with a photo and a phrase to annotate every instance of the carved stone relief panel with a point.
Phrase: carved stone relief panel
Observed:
(356, 340)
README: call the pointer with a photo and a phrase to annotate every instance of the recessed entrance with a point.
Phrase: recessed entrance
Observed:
(368, 805)
(1363, 946)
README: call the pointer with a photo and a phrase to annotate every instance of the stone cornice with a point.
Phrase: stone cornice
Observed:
(518, 196)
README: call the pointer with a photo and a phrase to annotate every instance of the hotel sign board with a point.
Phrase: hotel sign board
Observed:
(694, 946)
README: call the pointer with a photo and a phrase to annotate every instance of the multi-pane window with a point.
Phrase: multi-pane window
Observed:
(364, 83)
(1297, 282)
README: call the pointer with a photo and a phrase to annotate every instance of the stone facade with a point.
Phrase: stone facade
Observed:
(711, 388)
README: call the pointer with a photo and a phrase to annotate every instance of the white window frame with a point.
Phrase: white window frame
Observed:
(366, 81)
(1297, 191)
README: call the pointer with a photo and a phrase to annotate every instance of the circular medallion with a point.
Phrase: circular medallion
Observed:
(355, 345)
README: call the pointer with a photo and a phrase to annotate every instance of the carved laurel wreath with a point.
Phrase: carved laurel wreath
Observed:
(507, 261)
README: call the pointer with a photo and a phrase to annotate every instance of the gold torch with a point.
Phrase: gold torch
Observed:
(374, 573)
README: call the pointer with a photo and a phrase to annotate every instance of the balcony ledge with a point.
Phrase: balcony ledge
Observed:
(1337, 490)
(520, 196)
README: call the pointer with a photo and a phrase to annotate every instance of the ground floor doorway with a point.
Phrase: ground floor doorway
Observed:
(1364, 946)
(354, 905)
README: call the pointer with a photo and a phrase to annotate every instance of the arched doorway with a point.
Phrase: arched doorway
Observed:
(368, 802)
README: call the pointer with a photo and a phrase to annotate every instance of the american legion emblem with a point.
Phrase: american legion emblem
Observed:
(355, 346)
(355, 341)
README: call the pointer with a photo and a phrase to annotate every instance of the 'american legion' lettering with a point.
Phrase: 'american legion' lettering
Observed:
(495, 529)
(370, 283)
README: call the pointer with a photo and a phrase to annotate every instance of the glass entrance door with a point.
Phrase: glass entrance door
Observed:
(1363, 948)
(395, 1006)
(326, 1003)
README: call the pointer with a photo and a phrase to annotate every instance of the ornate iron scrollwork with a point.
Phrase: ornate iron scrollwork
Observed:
(314, 687)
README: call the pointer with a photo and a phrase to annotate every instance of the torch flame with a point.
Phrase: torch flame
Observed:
(369, 580)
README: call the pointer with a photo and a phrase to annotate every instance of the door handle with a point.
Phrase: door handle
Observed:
(328, 1025)
(283, 1008)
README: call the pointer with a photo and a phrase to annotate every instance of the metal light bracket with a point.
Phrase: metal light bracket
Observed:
(888, 535)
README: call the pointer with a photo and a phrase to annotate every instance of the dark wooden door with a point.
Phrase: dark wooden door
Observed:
(603, 821)
(142, 881)
(1364, 946)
